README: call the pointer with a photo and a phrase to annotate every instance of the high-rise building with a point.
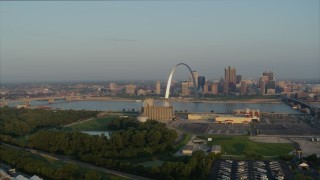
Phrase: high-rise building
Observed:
(206, 88)
(238, 79)
(225, 87)
(158, 87)
(230, 79)
(195, 75)
(230, 74)
(201, 82)
(185, 88)
(214, 88)
(243, 87)
(269, 74)
(262, 86)
(131, 89)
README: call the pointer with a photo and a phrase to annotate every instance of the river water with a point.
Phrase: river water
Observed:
(178, 106)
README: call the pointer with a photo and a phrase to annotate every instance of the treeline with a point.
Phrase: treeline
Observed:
(35, 164)
(19, 122)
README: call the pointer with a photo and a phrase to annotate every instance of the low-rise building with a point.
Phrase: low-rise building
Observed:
(216, 149)
(202, 116)
(235, 119)
(187, 150)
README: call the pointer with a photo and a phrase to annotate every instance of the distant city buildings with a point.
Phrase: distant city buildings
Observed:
(267, 84)
(215, 88)
(158, 88)
(113, 87)
(195, 75)
(201, 82)
(231, 84)
(185, 88)
(229, 80)
(131, 89)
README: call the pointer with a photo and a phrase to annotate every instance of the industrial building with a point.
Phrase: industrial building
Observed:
(158, 113)
(202, 116)
(248, 112)
(235, 119)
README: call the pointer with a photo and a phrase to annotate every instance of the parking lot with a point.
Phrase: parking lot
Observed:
(228, 129)
(285, 126)
(229, 169)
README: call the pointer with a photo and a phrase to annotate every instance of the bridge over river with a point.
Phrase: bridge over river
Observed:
(303, 106)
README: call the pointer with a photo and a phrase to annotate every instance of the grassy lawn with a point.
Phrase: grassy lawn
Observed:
(99, 124)
(242, 145)
(186, 139)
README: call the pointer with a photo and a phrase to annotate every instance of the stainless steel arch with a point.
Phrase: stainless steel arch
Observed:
(195, 85)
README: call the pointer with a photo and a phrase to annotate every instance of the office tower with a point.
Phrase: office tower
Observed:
(272, 84)
(262, 86)
(201, 82)
(185, 88)
(238, 79)
(269, 74)
(195, 75)
(131, 89)
(225, 87)
(230, 79)
(230, 75)
(243, 87)
(206, 88)
(214, 88)
(158, 87)
(113, 87)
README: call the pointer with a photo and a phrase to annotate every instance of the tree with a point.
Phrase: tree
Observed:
(92, 175)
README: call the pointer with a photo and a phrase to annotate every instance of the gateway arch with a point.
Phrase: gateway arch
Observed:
(195, 85)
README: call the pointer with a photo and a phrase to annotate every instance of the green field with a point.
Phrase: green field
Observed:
(98, 124)
(242, 145)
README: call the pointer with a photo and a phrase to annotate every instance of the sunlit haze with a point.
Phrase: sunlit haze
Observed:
(143, 40)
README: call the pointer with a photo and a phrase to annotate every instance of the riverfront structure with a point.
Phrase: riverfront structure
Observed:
(158, 113)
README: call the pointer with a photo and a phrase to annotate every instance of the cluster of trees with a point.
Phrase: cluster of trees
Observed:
(141, 141)
(135, 140)
(19, 122)
(130, 140)
(35, 164)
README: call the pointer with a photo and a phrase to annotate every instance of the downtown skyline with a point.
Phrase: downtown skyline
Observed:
(81, 41)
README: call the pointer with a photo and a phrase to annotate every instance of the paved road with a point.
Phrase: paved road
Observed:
(67, 159)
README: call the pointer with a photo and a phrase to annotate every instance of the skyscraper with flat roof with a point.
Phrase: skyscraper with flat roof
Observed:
(214, 88)
(201, 82)
(269, 74)
(195, 75)
(158, 87)
(230, 79)
(185, 88)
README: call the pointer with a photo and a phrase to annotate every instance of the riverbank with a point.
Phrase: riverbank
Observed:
(251, 101)
(92, 98)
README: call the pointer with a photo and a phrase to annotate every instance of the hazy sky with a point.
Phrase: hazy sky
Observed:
(132, 40)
